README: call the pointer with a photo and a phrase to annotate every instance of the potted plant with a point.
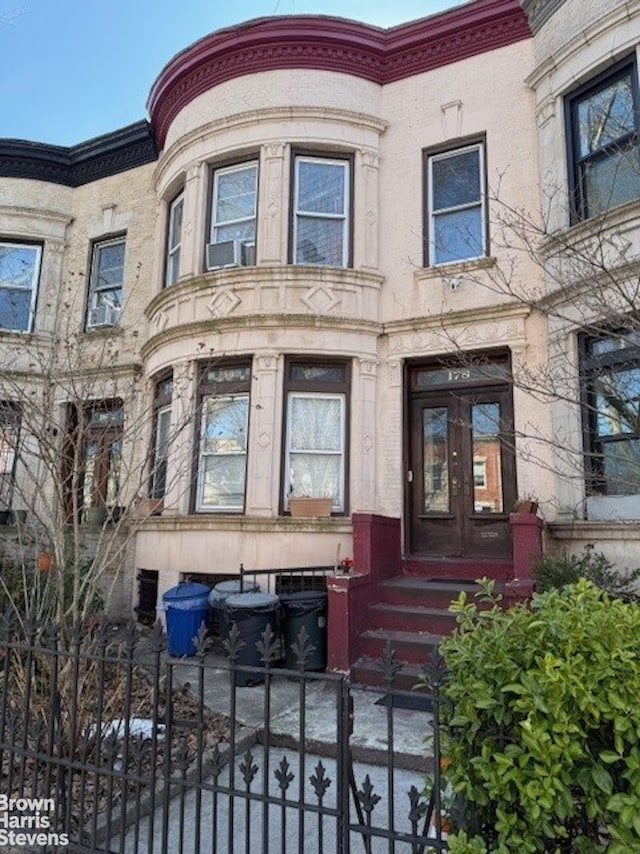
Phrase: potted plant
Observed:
(145, 507)
(95, 517)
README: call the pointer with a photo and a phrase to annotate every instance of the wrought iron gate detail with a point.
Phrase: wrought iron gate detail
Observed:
(278, 767)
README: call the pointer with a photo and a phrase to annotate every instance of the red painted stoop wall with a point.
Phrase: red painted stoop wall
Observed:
(376, 557)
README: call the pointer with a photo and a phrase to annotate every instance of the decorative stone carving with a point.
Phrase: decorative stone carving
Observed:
(224, 301)
(321, 299)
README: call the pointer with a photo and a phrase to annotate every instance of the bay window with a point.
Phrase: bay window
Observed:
(315, 459)
(233, 216)
(174, 240)
(224, 426)
(604, 154)
(19, 274)
(161, 436)
(611, 379)
(321, 211)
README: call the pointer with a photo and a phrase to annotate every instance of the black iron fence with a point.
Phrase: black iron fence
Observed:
(109, 745)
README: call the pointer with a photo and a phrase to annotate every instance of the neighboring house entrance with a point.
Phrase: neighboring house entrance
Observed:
(461, 463)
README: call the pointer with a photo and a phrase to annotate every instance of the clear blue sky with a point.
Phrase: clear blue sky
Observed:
(73, 69)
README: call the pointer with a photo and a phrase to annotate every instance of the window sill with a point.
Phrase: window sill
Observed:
(450, 271)
(597, 225)
(240, 522)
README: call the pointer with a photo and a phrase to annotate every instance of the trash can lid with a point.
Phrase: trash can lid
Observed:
(186, 590)
(223, 589)
(252, 600)
(301, 596)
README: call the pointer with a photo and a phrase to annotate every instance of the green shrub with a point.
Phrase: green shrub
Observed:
(543, 725)
(556, 571)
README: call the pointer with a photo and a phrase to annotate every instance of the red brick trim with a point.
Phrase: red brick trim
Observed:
(332, 44)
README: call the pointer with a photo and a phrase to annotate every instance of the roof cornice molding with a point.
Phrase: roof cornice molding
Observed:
(88, 161)
(333, 44)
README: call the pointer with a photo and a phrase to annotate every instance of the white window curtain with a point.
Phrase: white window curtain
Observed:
(315, 446)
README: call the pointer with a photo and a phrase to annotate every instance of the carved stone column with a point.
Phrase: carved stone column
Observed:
(262, 473)
(272, 216)
(366, 214)
(192, 250)
(363, 432)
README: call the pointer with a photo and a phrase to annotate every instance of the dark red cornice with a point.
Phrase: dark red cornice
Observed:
(333, 44)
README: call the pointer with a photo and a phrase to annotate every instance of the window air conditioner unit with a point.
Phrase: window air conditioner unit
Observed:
(103, 315)
(230, 253)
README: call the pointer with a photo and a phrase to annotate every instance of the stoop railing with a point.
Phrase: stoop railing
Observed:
(107, 744)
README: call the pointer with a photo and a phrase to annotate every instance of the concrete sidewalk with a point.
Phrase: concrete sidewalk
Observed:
(411, 728)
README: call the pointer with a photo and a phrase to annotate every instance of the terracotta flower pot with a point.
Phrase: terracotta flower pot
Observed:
(307, 506)
(45, 561)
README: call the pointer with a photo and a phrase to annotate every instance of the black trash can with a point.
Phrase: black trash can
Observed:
(251, 613)
(307, 609)
(186, 608)
(218, 596)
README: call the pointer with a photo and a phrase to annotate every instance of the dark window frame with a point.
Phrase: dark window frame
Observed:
(80, 432)
(94, 250)
(347, 157)
(579, 207)
(225, 388)
(162, 403)
(10, 422)
(314, 386)
(590, 364)
(451, 147)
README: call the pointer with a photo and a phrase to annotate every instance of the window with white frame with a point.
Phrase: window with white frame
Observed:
(9, 434)
(233, 215)
(19, 275)
(174, 240)
(105, 284)
(321, 211)
(315, 460)
(455, 202)
(224, 428)
(603, 131)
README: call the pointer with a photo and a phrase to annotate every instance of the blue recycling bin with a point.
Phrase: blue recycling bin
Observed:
(186, 607)
(219, 595)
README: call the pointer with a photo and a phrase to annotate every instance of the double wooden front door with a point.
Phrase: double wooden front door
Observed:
(461, 470)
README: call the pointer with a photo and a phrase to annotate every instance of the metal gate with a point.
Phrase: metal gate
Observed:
(109, 745)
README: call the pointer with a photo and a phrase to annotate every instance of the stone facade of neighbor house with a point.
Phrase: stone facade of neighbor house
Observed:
(395, 268)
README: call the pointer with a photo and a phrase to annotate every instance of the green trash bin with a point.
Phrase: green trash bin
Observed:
(307, 609)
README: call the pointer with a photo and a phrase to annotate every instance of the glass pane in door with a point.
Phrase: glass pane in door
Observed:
(487, 462)
(435, 455)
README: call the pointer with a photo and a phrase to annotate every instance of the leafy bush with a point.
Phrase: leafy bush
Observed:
(543, 725)
(555, 571)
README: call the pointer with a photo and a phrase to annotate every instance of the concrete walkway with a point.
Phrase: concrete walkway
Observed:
(208, 819)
